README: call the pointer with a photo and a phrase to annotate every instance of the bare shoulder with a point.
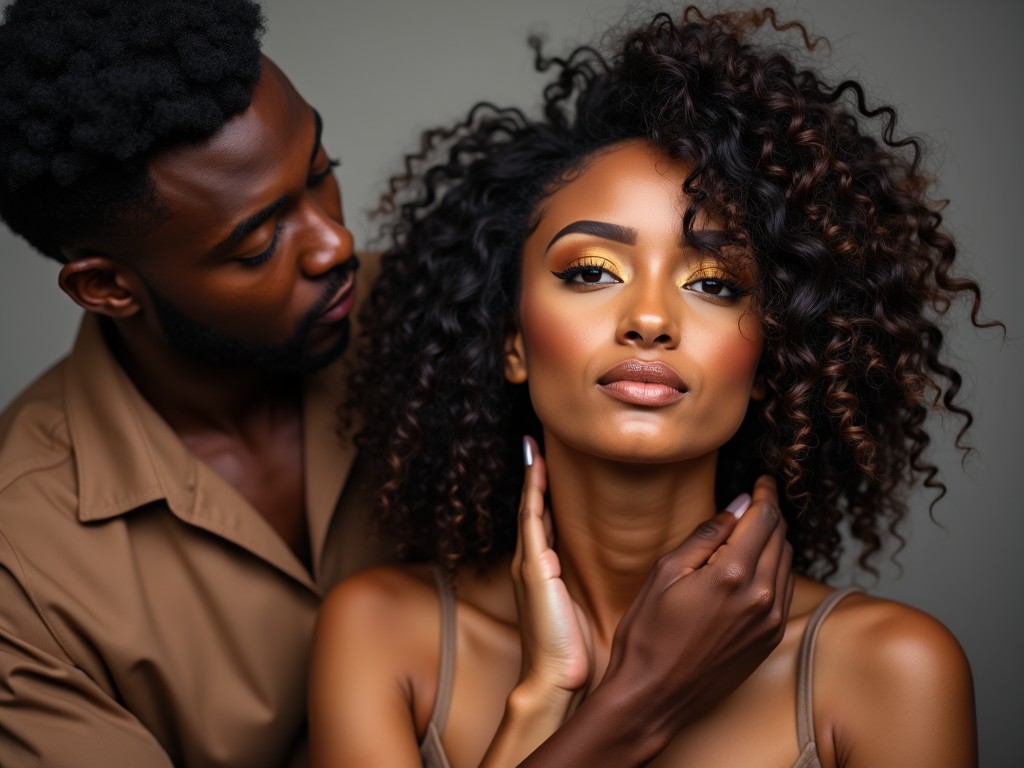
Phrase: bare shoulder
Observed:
(893, 685)
(874, 640)
(378, 599)
(382, 620)
(374, 661)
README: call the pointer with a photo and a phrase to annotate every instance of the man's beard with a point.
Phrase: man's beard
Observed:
(206, 345)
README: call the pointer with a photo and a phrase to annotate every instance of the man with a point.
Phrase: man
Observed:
(174, 496)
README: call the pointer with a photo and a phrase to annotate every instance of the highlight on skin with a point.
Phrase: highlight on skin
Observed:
(810, 187)
(648, 335)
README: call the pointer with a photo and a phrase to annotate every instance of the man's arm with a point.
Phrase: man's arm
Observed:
(694, 633)
(51, 712)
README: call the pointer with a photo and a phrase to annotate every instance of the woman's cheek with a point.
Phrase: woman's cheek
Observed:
(731, 363)
(731, 341)
(559, 345)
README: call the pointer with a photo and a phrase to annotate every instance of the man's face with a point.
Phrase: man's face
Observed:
(254, 267)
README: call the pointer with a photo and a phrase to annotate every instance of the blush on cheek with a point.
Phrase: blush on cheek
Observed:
(737, 361)
(552, 337)
(729, 354)
(735, 366)
(739, 351)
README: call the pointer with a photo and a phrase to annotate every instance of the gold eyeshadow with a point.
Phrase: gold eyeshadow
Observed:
(608, 259)
(591, 257)
(712, 269)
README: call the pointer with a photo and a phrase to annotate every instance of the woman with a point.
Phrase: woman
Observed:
(703, 263)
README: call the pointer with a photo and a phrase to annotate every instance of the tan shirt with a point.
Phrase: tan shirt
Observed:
(149, 616)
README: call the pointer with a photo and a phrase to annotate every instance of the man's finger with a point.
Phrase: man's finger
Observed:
(697, 548)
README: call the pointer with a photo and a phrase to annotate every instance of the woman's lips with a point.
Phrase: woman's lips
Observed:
(640, 382)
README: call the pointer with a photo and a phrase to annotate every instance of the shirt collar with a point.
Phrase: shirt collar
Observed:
(128, 456)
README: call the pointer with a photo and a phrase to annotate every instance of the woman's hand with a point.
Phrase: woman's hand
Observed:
(709, 613)
(555, 635)
(556, 665)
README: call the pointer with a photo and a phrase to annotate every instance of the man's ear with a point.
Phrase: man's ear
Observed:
(515, 355)
(100, 284)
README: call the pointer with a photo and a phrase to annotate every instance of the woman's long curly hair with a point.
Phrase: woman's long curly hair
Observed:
(806, 179)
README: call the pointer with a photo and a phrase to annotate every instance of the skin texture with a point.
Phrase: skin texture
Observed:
(712, 344)
(215, 330)
(239, 412)
(627, 482)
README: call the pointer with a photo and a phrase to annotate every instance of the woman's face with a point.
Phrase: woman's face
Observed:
(636, 347)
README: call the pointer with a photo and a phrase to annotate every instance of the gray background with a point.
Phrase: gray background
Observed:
(381, 70)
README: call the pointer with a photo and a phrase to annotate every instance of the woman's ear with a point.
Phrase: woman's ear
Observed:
(759, 389)
(99, 284)
(515, 355)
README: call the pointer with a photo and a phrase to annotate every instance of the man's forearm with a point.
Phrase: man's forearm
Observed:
(608, 728)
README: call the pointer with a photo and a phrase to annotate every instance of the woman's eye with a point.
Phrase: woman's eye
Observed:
(717, 287)
(587, 275)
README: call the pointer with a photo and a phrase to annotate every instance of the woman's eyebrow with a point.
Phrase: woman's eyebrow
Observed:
(602, 229)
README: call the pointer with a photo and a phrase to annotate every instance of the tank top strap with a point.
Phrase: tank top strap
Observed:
(446, 671)
(805, 666)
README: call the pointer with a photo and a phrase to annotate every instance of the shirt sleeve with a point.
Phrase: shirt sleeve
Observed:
(52, 713)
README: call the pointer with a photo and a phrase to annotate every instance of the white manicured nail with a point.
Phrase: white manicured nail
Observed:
(739, 505)
(527, 453)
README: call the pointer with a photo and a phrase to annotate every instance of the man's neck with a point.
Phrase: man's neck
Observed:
(196, 397)
(245, 426)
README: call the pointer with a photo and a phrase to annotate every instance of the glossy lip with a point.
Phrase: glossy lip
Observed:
(642, 382)
(341, 303)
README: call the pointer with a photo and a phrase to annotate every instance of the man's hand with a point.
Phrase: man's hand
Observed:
(709, 613)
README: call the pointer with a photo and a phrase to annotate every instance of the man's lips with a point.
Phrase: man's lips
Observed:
(341, 303)
(643, 383)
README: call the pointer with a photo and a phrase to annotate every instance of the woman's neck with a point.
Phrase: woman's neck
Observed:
(614, 520)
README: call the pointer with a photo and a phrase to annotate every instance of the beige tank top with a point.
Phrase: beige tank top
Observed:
(805, 680)
(431, 751)
(433, 754)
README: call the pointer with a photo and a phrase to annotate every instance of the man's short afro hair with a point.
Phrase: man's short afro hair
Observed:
(89, 89)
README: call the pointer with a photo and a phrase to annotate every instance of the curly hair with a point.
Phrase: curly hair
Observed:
(806, 178)
(89, 90)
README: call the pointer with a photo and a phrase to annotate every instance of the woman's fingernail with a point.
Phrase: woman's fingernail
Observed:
(527, 453)
(739, 505)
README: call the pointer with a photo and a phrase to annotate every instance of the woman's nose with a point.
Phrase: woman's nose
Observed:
(650, 318)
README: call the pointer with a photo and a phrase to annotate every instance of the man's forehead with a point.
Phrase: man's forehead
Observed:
(247, 148)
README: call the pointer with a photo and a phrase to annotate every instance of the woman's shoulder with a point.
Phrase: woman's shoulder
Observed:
(386, 598)
(891, 677)
(375, 648)
(868, 637)
(382, 595)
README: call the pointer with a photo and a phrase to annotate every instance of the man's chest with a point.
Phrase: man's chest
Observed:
(267, 473)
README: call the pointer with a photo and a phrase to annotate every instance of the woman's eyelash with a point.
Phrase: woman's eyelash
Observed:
(583, 271)
(720, 280)
(253, 261)
(570, 272)
(714, 283)
(593, 267)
